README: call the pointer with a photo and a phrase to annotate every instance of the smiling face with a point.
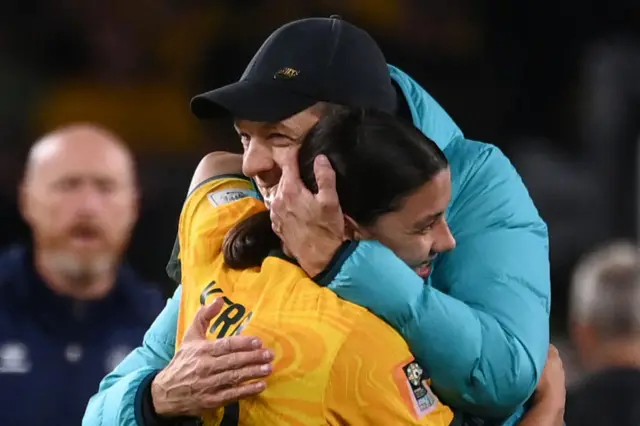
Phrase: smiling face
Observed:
(415, 230)
(267, 144)
(418, 230)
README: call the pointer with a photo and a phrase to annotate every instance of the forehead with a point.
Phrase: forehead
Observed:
(432, 198)
(81, 158)
(298, 123)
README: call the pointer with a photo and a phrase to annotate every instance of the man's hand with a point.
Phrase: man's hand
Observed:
(311, 226)
(551, 390)
(207, 374)
(549, 398)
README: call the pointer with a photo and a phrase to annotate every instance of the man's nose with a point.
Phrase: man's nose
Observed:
(257, 160)
(89, 200)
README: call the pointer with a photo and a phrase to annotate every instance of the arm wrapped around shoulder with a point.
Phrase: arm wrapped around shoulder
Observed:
(482, 329)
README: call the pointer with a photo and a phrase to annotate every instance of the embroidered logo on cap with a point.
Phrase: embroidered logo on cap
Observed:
(286, 74)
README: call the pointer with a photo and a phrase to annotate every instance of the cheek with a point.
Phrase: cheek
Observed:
(49, 216)
(401, 245)
(119, 214)
(282, 155)
(409, 248)
(256, 159)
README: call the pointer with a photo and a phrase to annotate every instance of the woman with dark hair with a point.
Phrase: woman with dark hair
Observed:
(479, 323)
(335, 362)
(392, 181)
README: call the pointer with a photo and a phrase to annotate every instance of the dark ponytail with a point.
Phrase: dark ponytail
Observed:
(249, 242)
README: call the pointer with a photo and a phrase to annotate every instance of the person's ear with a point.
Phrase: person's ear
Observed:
(353, 231)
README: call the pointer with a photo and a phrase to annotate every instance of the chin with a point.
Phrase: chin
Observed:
(78, 265)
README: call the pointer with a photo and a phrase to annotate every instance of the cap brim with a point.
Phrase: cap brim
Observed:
(250, 101)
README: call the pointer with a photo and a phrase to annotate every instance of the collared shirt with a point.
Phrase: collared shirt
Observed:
(53, 349)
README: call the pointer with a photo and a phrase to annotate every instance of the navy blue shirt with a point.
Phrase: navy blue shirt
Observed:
(55, 350)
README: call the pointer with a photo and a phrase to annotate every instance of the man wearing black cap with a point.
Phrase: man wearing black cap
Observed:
(480, 324)
(301, 64)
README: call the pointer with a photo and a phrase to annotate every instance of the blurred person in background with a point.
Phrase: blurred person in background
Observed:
(70, 311)
(480, 325)
(605, 327)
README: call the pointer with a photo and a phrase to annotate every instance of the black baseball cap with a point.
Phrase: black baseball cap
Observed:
(300, 64)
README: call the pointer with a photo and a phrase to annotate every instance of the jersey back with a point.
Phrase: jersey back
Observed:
(335, 363)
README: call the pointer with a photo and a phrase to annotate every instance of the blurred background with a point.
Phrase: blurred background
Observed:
(552, 84)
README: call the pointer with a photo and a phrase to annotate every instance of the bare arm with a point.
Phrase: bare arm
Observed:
(215, 164)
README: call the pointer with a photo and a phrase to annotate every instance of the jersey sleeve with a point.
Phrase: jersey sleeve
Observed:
(376, 380)
(212, 210)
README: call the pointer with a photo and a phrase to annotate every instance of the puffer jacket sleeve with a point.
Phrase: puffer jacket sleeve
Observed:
(118, 401)
(480, 325)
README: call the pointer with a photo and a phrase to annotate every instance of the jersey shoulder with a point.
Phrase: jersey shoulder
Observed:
(375, 365)
(298, 292)
(210, 211)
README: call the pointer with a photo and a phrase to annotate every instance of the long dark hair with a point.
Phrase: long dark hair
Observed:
(378, 160)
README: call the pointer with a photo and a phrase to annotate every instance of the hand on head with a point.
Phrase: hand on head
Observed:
(311, 226)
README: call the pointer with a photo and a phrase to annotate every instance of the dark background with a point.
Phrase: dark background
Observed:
(552, 83)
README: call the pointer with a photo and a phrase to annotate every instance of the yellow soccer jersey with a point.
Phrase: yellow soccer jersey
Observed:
(335, 362)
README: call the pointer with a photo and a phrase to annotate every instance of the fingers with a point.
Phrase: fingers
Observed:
(233, 394)
(198, 328)
(281, 206)
(326, 179)
(291, 189)
(236, 377)
(230, 345)
(277, 228)
(325, 175)
(553, 357)
(241, 359)
(290, 170)
(553, 368)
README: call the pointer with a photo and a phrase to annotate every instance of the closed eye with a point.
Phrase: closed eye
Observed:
(424, 230)
(278, 135)
(280, 140)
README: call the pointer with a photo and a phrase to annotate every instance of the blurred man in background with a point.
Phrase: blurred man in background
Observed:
(69, 311)
(605, 313)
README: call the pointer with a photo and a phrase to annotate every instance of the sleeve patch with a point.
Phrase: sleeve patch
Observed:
(225, 196)
(414, 388)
